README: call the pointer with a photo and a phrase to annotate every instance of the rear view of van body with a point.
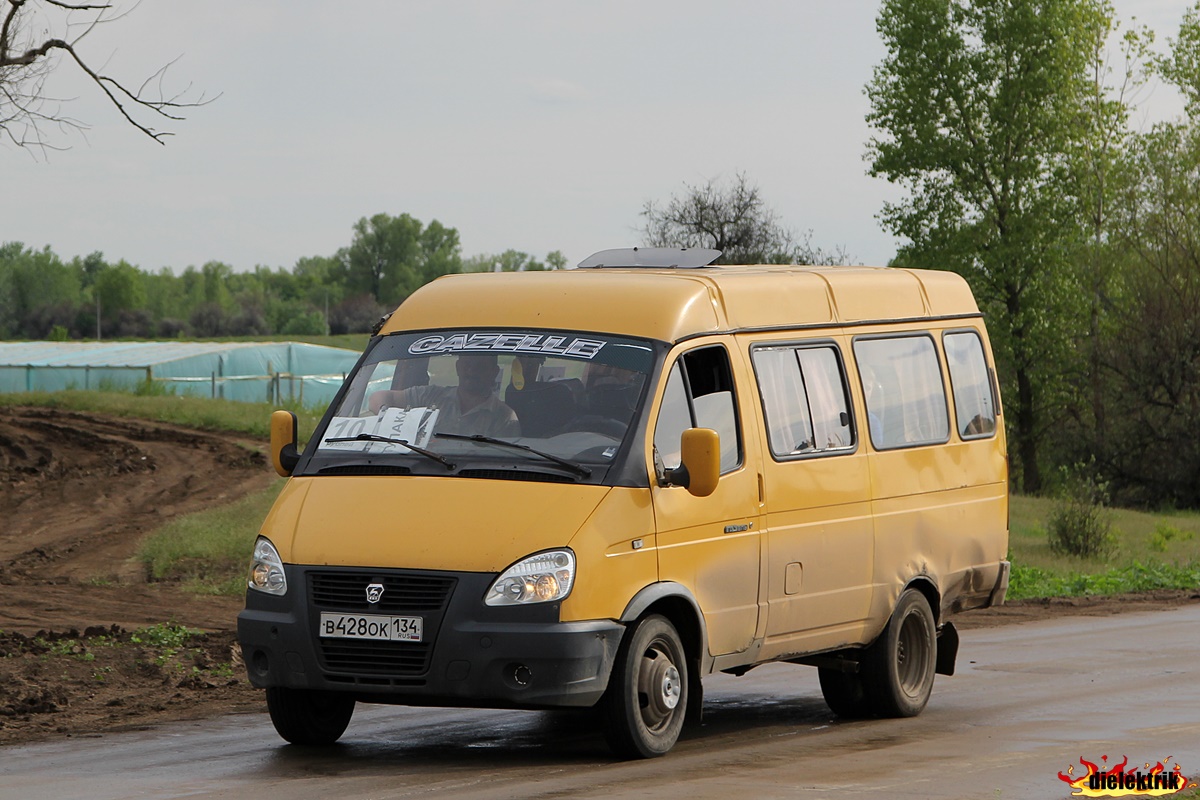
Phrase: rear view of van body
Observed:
(593, 487)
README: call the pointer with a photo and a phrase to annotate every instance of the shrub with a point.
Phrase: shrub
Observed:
(1164, 534)
(1080, 524)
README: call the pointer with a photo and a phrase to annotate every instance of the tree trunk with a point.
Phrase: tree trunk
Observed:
(1027, 446)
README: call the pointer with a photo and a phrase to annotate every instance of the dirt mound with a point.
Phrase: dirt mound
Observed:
(79, 492)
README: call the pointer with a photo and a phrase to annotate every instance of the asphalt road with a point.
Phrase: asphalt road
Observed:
(1028, 702)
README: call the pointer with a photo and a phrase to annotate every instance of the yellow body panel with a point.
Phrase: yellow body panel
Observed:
(423, 522)
(670, 305)
(621, 558)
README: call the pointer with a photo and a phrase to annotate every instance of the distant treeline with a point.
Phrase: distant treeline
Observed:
(44, 297)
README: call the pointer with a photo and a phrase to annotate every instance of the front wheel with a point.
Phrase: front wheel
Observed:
(303, 716)
(647, 696)
(898, 668)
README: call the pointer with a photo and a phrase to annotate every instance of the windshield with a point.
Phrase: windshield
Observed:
(471, 394)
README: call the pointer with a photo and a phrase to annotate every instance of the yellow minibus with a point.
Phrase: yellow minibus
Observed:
(594, 487)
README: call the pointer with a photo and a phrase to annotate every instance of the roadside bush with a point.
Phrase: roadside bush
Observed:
(1164, 534)
(1081, 524)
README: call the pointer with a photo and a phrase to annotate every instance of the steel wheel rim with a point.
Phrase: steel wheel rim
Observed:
(659, 686)
(912, 656)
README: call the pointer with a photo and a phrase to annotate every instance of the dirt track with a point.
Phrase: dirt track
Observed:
(81, 491)
(78, 492)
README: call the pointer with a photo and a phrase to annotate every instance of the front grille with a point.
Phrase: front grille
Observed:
(404, 594)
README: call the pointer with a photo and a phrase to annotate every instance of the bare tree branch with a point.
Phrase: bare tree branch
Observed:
(26, 61)
(733, 219)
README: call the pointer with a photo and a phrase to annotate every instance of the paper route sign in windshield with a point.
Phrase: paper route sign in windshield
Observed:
(414, 425)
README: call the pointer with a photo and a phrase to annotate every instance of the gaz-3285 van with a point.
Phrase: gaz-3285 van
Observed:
(594, 487)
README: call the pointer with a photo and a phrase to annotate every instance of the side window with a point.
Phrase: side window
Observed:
(902, 384)
(699, 395)
(804, 399)
(974, 407)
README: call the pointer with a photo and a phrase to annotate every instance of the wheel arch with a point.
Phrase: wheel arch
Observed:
(926, 586)
(676, 602)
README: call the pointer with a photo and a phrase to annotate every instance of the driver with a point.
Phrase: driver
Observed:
(470, 408)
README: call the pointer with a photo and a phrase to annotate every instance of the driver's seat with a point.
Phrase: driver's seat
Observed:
(542, 407)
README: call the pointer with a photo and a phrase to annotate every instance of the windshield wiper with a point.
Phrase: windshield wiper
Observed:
(373, 437)
(582, 471)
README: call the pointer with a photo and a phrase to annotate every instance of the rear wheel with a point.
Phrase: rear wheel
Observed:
(898, 669)
(844, 693)
(647, 696)
(303, 716)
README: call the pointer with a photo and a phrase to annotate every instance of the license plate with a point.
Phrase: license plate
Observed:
(371, 626)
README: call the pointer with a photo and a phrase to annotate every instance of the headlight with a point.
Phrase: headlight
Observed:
(266, 569)
(540, 578)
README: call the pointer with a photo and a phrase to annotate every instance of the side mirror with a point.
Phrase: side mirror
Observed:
(284, 456)
(700, 457)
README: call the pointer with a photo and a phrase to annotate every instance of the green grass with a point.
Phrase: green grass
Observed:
(1153, 551)
(252, 419)
(209, 551)
(348, 341)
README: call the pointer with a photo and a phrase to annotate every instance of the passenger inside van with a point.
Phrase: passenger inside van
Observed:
(469, 408)
(612, 391)
(543, 407)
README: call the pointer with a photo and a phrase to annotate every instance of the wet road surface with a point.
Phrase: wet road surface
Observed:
(1028, 701)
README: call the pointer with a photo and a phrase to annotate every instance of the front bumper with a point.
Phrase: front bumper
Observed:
(472, 655)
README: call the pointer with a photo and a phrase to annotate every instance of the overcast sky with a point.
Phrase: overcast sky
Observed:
(536, 126)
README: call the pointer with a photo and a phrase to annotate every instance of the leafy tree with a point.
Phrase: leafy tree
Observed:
(1182, 66)
(1153, 357)
(977, 104)
(514, 261)
(440, 254)
(355, 314)
(731, 218)
(391, 256)
(37, 291)
(1099, 172)
(1152, 351)
(309, 323)
(166, 299)
(120, 287)
(32, 34)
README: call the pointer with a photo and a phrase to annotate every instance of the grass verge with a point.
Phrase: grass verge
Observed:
(204, 413)
(208, 552)
(1151, 551)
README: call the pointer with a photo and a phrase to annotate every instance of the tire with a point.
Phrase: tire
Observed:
(308, 717)
(898, 669)
(647, 697)
(844, 693)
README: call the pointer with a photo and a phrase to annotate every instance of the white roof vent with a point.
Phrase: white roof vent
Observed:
(655, 257)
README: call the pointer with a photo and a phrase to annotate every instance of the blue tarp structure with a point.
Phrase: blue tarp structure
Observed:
(245, 371)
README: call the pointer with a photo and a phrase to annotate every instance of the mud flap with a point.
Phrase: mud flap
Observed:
(695, 701)
(947, 649)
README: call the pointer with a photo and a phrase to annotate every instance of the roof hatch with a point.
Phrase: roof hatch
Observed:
(654, 257)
